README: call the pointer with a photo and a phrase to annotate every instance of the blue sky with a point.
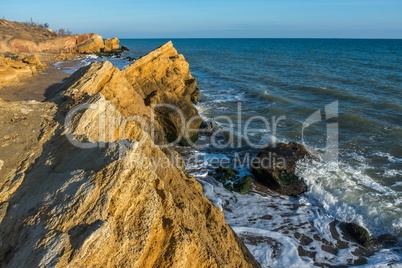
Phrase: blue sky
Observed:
(215, 18)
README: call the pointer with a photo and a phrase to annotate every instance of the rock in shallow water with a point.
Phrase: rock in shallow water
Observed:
(357, 233)
(275, 168)
(230, 180)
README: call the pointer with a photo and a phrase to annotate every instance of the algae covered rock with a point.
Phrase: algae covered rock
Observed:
(357, 233)
(275, 168)
(243, 185)
(224, 174)
(231, 181)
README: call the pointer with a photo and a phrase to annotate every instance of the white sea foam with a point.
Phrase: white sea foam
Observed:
(391, 158)
(271, 224)
(389, 173)
(350, 195)
(91, 56)
(209, 191)
(285, 255)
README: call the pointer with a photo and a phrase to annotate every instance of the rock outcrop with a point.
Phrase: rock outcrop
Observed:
(83, 43)
(111, 45)
(275, 168)
(100, 192)
(11, 70)
(163, 76)
(357, 233)
(231, 181)
(18, 38)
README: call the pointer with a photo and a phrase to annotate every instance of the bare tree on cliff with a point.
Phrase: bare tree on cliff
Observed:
(62, 31)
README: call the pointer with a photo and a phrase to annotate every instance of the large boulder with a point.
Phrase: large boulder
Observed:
(275, 168)
(92, 44)
(111, 44)
(13, 70)
(356, 233)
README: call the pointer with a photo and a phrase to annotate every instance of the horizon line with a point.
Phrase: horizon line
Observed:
(354, 38)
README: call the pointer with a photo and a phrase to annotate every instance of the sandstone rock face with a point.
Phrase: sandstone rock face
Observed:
(18, 38)
(90, 44)
(13, 70)
(100, 193)
(275, 168)
(85, 43)
(111, 44)
(164, 69)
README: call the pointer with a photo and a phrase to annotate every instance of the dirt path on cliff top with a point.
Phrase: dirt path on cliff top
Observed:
(39, 86)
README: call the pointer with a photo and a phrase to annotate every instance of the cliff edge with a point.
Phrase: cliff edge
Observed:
(22, 48)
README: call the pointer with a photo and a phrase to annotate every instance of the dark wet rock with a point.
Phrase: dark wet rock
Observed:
(130, 58)
(266, 217)
(243, 185)
(231, 181)
(115, 53)
(356, 233)
(208, 127)
(229, 186)
(275, 168)
(330, 249)
(124, 48)
(302, 252)
(223, 174)
(304, 240)
(340, 244)
(387, 241)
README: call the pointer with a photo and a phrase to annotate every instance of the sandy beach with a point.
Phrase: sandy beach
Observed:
(41, 85)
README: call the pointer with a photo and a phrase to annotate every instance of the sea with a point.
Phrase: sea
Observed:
(340, 97)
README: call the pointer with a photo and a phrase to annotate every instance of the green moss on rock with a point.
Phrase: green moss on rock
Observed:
(357, 233)
(185, 141)
(243, 185)
(229, 186)
(223, 174)
(287, 179)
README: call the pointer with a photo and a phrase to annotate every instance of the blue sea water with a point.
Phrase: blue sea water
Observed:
(290, 80)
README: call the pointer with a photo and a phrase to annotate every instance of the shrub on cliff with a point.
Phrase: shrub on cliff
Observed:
(62, 31)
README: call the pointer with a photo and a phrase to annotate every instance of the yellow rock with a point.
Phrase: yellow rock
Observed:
(119, 202)
(32, 59)
(91, 45)
(111, 44)
(12, 71)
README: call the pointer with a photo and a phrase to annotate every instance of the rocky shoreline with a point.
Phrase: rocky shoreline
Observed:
(26, 51)
(90, 177)
(81, 180)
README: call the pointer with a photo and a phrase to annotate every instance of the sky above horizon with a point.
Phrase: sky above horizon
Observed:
(215, 18)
